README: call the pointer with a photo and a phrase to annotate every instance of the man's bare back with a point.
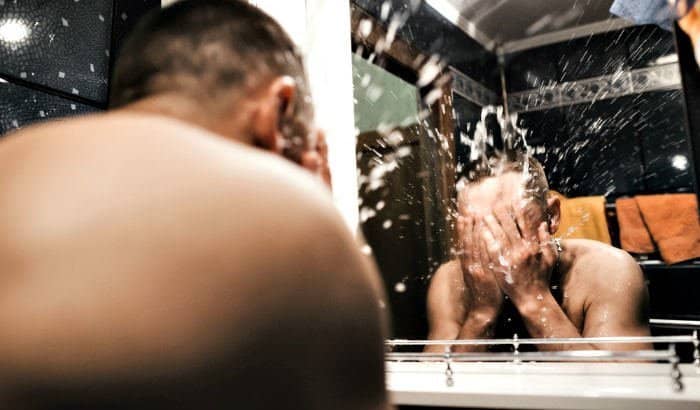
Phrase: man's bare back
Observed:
(137, 249)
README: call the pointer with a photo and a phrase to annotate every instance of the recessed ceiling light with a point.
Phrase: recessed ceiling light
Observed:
(13, 31)
(680, 162)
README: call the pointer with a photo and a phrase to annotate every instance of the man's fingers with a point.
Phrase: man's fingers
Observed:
(507, 221)
(321, 144)
(548, 251)
(460, 229)
(495, 230)
(528, 231)
(475, 243)
(492, 245)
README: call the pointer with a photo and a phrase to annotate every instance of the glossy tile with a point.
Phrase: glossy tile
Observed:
(61, 44)
(21, 106)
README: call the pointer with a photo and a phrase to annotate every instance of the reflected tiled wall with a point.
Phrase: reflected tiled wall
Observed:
(634, 143)
(55, 56)
(432, 33)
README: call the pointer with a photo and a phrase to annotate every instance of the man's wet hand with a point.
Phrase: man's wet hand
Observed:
(316, 159)
(483, 295)
(519, 254)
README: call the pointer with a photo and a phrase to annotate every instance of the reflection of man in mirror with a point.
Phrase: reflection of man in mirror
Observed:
(513, 277)
(168, 255)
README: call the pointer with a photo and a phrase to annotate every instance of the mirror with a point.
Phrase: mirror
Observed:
(523, 167)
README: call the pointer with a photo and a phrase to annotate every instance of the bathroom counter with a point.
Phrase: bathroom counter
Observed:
(543, 385)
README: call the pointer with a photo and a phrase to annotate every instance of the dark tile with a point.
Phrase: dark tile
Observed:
(21, 106)
(533, 68)
(540, 127)
(662, 132)
(400, 249)
(647, 44)
(596, 153)
(593, 56)
(61, 44)
(467, 116)
(431, 33)
(127, 14)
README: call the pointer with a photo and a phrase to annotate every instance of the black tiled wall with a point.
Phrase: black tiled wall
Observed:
(21, 106)
(62, 65)
(431, 33)
(621, 146)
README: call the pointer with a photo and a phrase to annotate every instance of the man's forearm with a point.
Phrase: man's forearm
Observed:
(477, 326)
(544, 318)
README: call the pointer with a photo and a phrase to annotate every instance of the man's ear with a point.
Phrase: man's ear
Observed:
(553, 213)
(274, 104)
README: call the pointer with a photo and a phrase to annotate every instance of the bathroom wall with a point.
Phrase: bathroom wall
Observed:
(402, 237)
(632, 143)
(635, 143)
(431, 33)
(56, 57)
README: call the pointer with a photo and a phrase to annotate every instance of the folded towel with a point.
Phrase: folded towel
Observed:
(674, 225)
(583, 218)
(634, 235)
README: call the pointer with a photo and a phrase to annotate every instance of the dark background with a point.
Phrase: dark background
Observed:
(64, 66)
(621, 146)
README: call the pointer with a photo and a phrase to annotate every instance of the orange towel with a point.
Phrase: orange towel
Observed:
(583, 218)
(634, 235)
(673, 223)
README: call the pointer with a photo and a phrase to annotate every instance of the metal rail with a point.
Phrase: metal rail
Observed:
(545, 341)
(516, 357)
(569, 356)
(674, 323)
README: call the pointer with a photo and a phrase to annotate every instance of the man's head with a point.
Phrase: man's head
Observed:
(518, 184)
(234, 68)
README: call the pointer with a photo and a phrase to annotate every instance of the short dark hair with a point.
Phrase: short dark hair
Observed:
(203, 48)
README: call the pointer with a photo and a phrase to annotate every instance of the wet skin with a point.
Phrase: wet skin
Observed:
(507, 250)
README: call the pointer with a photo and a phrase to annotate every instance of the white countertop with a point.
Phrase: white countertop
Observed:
(543, 385)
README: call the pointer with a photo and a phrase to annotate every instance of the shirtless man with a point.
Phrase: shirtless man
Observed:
(509, 258)
(155, 257)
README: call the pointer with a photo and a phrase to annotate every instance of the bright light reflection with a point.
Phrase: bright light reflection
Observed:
(13, 31)
(680, 162)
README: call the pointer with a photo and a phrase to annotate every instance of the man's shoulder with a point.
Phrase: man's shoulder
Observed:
(601, 263)
(150, 170)
(159, 147)
(448, 270)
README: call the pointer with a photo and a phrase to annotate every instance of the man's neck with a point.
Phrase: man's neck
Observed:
(187, 110)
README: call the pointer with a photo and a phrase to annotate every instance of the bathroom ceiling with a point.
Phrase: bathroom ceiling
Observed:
(506, 21)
